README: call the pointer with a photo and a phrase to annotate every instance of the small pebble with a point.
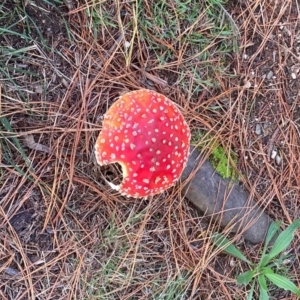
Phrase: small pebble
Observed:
(273, 154)
(23, 66)
(258, 129)
(232, 263)
(64, 83)
(278, 160)
(247, 85)
(39, 89)
(270, 75)
(10, 271)
(127, 44)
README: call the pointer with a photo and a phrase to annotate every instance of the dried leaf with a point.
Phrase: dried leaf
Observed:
(30, 143)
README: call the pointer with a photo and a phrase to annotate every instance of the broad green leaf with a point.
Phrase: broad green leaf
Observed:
(246, 277)
(262, 282)
(263, 290)
(226, 245)
(283, 283)
(263, 295)
(266, 270)
(284, 239)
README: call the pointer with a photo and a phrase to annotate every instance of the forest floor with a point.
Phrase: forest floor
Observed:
(233, 68)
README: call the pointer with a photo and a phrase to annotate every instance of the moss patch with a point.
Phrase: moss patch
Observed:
(220, 161)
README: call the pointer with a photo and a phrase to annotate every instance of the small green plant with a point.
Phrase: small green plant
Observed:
(263, 272)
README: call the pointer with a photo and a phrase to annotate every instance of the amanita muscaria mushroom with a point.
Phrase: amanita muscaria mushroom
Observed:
(147, 135)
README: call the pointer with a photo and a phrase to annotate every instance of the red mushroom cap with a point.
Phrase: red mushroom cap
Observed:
(147, 135)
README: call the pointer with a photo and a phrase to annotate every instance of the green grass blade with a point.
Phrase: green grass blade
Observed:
(284, 239)
(55, 1)
(263, 290)
(7, 75)
(226, 245)
(30, 22)
(7, 31)
(15, 140)
(283, 282)
(21, 50)
(246, 277)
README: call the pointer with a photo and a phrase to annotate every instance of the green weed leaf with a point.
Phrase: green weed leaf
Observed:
(266, 270)
(250, 295)
(283, 283)
(264, 260)
(246, 277)
(284, 239)
(273, 228)
(224, 243)
(263, 290)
